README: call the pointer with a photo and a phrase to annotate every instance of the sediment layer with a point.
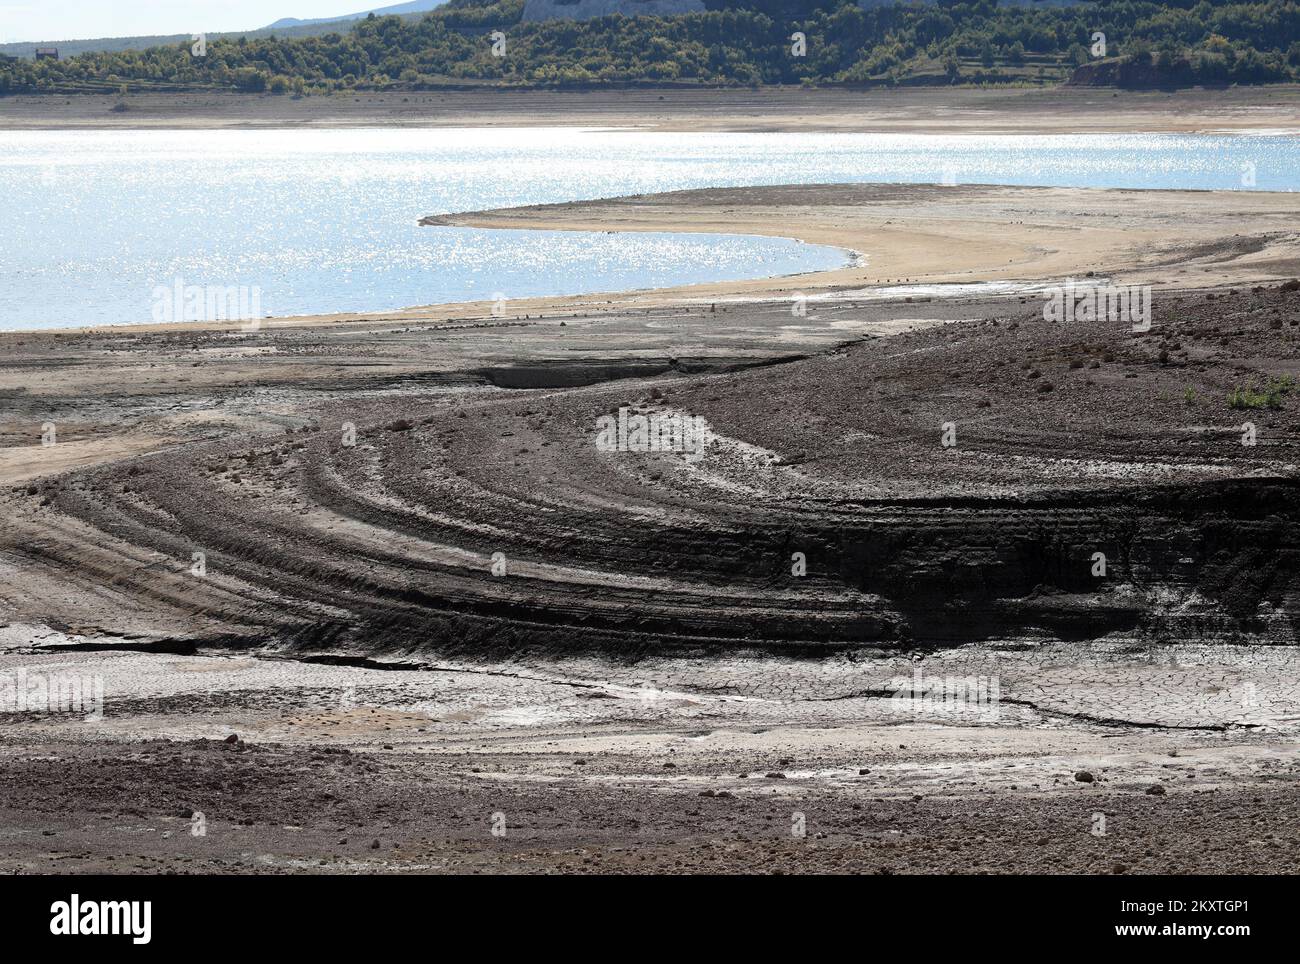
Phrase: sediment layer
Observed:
(1069, 441)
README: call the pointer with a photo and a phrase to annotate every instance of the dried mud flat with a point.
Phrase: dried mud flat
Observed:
(584, 766)
(647, 684)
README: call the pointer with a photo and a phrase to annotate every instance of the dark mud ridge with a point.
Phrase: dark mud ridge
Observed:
(489, 522)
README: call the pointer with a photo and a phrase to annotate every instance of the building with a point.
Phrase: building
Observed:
(47, 53)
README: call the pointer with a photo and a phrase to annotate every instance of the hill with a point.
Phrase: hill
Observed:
(731, 42)
(284, 27)
(396, 9)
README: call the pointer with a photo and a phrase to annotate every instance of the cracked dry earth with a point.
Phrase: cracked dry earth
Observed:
(665, 766)
(647, 686)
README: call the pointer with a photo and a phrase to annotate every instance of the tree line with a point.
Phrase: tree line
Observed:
(733, 42)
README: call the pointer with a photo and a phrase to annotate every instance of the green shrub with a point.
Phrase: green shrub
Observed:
(1270, 397)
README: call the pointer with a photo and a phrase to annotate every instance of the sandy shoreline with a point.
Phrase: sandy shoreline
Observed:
(929, 110)
(934, 234)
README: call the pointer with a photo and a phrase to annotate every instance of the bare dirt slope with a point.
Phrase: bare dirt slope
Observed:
(1068, 440)
(387, 556)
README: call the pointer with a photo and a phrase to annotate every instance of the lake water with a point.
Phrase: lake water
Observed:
(94, 223)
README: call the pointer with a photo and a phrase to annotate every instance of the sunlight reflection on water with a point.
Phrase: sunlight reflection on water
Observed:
(325, 220)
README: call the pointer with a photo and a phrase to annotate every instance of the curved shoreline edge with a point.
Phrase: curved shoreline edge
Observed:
(900, 234)
(847, 257)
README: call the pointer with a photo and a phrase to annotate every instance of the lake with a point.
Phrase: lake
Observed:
(95, 223)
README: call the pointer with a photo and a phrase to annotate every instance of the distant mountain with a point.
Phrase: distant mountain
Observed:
(396, 9)
(285, 27)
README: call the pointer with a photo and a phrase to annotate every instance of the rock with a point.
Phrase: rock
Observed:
(1156, 791)
(232, 738)
(400, 425)
(1083, 776)
(374, 845)
(776, 776)
(863, 772)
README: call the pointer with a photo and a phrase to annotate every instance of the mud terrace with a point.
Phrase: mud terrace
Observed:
(361, 593)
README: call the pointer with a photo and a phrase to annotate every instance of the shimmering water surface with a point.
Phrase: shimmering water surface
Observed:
(93, 222)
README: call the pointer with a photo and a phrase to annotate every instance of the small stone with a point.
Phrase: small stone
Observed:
(1156, 791)
(1083, 776)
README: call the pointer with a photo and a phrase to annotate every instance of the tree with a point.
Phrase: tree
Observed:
(952, 68)
(250, 79)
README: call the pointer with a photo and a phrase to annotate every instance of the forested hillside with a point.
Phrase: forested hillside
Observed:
(730, 42)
